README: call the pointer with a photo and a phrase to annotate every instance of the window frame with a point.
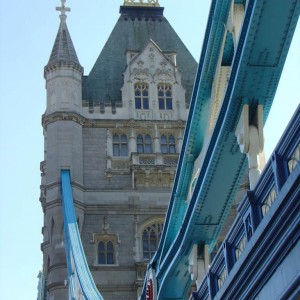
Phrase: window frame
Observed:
(155, 226)
(141, 95)
(165, 100)
(105, 252)
(106, 238)
(144, 144)
(168, 144)
(120, 145)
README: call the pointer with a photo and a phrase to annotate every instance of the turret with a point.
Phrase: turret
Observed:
(63, 73)
(63, 150)
(63, 134)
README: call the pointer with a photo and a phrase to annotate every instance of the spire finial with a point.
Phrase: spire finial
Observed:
(141, 3)
(63, 10)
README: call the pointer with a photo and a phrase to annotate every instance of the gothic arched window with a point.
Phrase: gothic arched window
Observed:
(167, 144)
(120, 145)
(144, 143)
(141, 95)
(150, 239)
(164, 92)
(106, 253)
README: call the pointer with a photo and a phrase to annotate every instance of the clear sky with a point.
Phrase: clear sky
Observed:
(27, 34)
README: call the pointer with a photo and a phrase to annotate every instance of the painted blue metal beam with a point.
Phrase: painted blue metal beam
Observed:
(80, 278)
(254, 77)
(273, 213)
(197, 121)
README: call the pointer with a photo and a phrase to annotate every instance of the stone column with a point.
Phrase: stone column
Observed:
(109, 149)
(156, 140)
(132, 141)
(179, 141)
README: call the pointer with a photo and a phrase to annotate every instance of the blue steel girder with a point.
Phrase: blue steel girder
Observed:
(79, 276)
(197, 121)
(255, 73)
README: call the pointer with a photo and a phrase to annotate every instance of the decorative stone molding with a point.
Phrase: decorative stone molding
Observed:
(105, 235)
(157, 222)
(151, 67)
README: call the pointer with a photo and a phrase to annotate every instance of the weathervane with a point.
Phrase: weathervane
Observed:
(63, 9)
(141, 3)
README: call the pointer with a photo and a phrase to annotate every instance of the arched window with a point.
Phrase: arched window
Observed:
(150, 239)
(144, 143)
(106, 253)
(168, 144)
(141, 95)
(120, 145)
(164, 96)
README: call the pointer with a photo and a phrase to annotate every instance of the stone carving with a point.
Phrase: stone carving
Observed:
(120, 165)
(141, 74)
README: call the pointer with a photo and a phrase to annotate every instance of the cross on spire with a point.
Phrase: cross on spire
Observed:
(63, 9)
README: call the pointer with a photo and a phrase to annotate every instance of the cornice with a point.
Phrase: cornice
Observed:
(62, 65)
(62, 116)
(102, 123)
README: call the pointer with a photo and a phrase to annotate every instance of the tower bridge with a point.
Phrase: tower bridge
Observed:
(197, 219)
(244, 50)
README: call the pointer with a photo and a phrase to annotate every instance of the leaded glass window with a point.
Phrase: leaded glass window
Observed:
(167, 144)
(106, 253)
(150, 239)
(141, 95)
(109, 253)
(165, 96)
(144, 143)
(120, 145)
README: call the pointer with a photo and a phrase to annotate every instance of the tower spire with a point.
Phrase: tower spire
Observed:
(63, 49)
(63, 9)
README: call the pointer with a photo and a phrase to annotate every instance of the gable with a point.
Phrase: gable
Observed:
(151, 65)
(105, 80)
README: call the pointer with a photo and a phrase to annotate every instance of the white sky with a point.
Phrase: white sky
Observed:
(27, 34)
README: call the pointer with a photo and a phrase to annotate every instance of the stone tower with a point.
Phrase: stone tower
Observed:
(119, 131)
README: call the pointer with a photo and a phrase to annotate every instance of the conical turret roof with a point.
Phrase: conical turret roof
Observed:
(136, 26)
(63, 51)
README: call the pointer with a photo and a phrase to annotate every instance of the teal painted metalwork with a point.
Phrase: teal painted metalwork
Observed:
(253, 79)
(249, 259)
(79, 274)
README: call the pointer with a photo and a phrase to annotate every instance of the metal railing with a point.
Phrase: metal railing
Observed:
(255, 207)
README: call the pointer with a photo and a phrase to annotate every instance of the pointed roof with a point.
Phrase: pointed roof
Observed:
(136, 26)
(63, 51)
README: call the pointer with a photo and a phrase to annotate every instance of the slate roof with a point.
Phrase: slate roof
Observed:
(133, 31)
(63, 49)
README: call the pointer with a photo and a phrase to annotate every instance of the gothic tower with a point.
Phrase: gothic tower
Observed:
(119, 131)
